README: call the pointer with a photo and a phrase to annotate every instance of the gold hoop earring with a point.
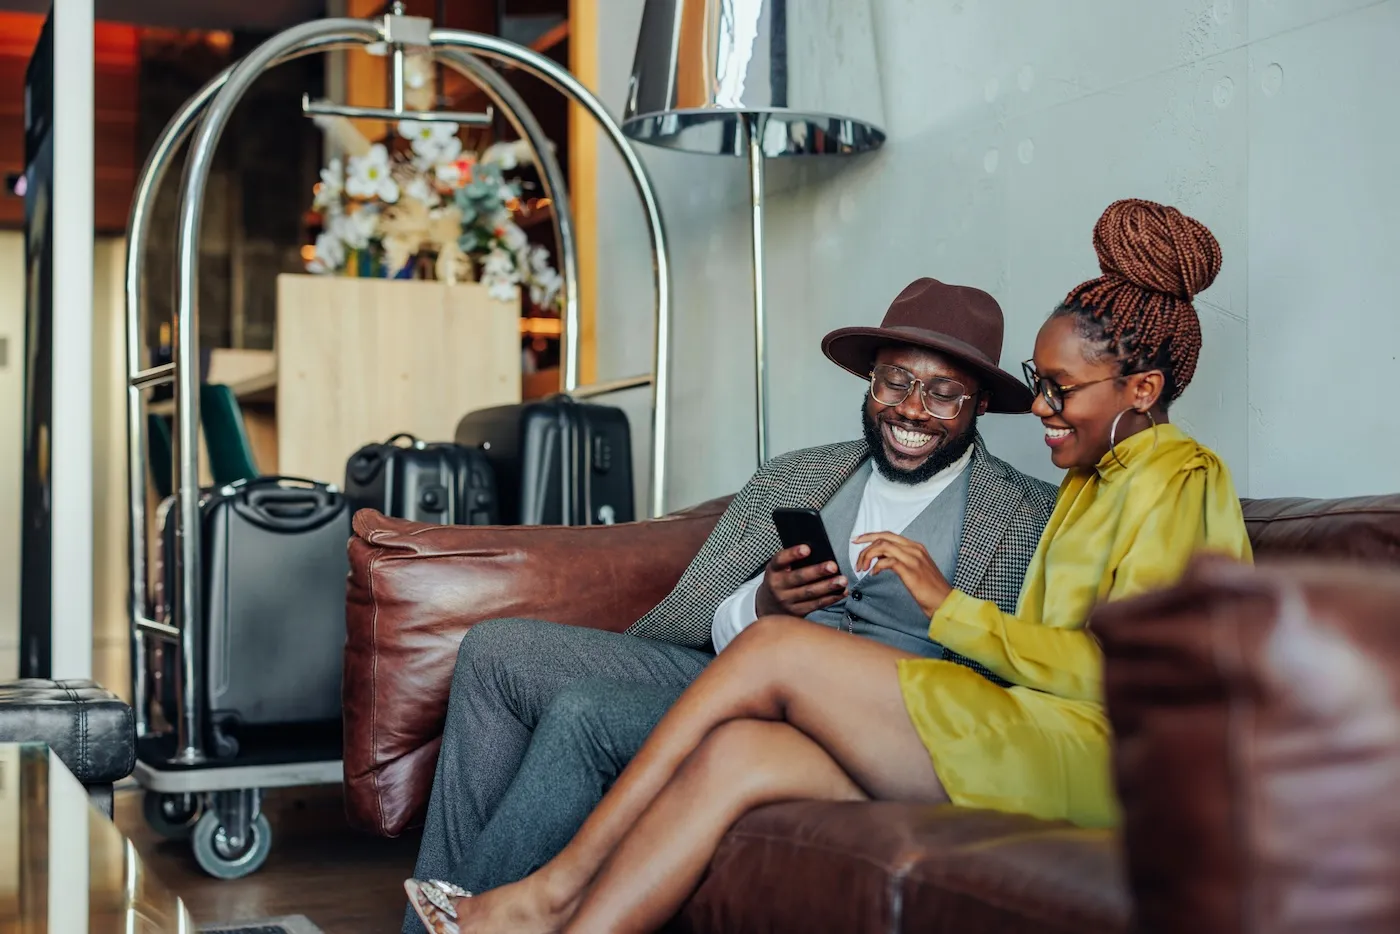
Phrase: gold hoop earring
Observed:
(1113, 432)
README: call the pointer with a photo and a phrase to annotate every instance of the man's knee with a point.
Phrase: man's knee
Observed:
(491, 643)
(605, 722)
(580, 707)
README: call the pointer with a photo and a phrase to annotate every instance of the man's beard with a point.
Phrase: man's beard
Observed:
(945, 455)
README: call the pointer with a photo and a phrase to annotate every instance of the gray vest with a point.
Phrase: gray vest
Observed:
(881, 607)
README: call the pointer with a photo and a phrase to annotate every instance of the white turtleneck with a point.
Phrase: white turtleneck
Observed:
(885, 505)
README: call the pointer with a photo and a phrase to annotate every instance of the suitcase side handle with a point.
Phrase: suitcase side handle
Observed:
(288, 509)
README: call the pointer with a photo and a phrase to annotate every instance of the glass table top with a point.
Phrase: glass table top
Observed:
(64, 867)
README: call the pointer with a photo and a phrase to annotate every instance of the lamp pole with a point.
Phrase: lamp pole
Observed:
(753, 129)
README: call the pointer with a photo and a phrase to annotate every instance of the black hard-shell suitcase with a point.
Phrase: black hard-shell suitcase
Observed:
(274, 568)
(557, 461)
(441, 483)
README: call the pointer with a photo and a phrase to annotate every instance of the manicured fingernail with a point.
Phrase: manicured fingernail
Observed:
(803, 550)
(840, 582)
(831, 568)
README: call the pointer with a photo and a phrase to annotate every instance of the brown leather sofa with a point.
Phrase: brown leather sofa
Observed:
(1256, 711)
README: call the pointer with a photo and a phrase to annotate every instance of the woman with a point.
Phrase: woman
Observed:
(793, 710)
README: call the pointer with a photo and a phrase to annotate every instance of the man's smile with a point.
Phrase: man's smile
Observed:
(908, 442)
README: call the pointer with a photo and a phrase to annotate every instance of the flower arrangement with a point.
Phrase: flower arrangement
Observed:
(386, 213)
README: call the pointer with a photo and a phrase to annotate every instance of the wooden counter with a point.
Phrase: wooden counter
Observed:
(360, 360)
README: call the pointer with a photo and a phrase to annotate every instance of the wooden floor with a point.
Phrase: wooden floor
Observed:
(345, 881)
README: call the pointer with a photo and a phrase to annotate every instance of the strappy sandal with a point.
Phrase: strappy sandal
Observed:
(432, 901)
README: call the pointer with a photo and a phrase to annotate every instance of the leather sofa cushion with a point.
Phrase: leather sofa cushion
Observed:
(1256, 713)
(88, 727)
(415, 589)
(884, 867)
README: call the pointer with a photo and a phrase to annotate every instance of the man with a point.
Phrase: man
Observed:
(543, 717)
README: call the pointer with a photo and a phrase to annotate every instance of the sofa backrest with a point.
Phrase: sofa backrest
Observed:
(415, 589)
(1360, 528)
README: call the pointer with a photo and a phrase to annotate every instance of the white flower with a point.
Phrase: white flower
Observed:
(420, 189)
(369, 176)
(502, 290)
(449, 174)
(434, 142)
(499, 276)
(354, 230)
(329, 192)
(507, 155)
(498, 263)
(545, 287)
(513, 237)
(330, 254)
(539, 260)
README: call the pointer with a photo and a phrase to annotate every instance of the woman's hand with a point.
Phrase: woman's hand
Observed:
(908, 559)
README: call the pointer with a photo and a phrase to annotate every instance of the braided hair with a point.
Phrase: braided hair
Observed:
(1155, 260)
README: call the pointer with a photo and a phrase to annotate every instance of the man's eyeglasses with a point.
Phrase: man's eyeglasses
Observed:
(1052, 392)
(942, 398)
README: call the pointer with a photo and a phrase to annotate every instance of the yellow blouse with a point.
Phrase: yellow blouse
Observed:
(1116, 531)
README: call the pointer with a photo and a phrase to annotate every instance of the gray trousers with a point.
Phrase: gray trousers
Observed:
(541, 719)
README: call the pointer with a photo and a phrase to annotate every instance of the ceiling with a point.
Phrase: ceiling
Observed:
(193, 14)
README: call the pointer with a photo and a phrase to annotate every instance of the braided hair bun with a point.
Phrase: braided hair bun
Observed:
(1155, 260)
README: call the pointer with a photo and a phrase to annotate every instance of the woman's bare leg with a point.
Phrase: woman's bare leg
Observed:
(741, 765)
(840, 691)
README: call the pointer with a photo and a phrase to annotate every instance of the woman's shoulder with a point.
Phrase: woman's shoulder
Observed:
(1179, 452)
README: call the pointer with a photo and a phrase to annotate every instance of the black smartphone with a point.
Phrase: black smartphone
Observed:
(804, 527)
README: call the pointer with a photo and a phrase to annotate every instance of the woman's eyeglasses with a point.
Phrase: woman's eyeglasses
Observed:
(1052, 392)
(942, 398)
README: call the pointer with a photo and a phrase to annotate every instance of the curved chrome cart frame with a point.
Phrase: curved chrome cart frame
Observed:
(230, 836)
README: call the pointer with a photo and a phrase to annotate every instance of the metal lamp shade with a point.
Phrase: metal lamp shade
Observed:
(803, 72)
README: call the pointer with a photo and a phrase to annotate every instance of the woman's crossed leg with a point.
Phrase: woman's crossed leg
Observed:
(791, 710)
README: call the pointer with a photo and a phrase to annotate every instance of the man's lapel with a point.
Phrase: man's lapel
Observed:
(992, 501)
(831, 471)
(807, 481)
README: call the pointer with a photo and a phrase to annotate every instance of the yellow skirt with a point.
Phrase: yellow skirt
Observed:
(1011, 749)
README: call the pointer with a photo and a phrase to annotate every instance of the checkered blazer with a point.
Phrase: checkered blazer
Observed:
(1006, 514)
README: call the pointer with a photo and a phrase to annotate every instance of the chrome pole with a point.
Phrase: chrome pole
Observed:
(753, 129)
(556, 188)
(188, 597)
(148, 184)
(452, 52)
(559, 78)
(224, 92)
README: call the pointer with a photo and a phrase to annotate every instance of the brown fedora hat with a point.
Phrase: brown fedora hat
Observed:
(961, 322)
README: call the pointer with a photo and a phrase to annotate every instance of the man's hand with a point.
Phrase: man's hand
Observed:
(886, 551)
(797, 592)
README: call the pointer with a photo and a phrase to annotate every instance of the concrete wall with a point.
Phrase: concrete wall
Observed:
(1012, 124)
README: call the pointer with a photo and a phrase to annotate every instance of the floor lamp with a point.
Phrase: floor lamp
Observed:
(758, 79)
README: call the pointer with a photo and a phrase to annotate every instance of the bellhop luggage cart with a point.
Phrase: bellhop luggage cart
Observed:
(215, 802)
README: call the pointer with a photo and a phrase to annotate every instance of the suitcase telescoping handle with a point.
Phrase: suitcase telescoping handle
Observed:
(368, 460)
(287, 504)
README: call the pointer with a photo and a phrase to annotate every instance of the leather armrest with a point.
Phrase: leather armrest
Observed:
(415, 589)
(1256, 718)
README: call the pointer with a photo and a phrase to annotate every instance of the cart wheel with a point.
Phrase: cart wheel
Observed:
(218, 857)
(171, 816)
